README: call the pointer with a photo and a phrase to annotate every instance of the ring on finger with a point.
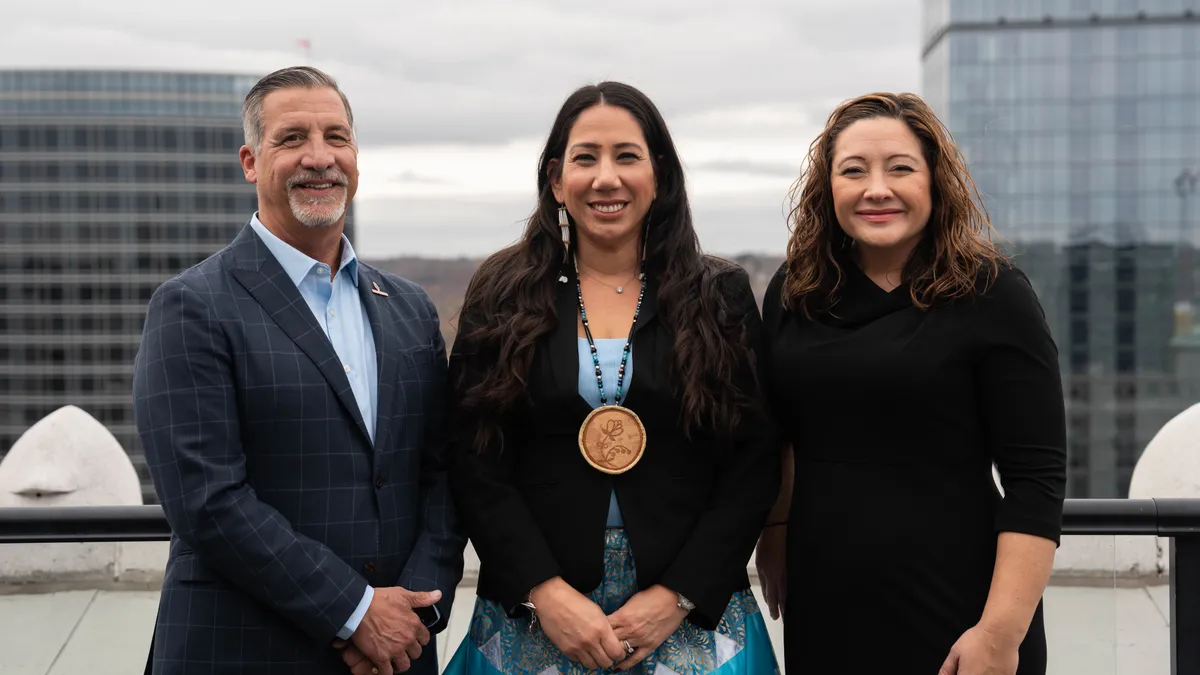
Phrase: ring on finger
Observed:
(628, 647)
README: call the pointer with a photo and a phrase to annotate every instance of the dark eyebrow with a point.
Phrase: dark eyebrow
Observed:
(899, 155)
(596, 146)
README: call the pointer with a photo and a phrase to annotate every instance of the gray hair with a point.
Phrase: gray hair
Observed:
(296, 77)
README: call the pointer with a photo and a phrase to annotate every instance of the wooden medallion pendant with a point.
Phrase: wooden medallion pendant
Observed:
(612, 439)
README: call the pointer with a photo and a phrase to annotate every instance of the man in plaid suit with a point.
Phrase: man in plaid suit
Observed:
(290, 401)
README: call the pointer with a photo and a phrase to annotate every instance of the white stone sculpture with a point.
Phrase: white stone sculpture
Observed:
(66, 459)
(1169, 468)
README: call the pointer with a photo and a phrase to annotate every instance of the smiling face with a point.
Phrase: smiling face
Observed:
(881, 186)
(607, 180)
(307, 167)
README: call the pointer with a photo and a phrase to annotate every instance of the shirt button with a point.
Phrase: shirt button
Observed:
(369, 567)
(346, 367)
(332, 313)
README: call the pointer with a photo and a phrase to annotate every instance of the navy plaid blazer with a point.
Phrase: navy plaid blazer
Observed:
(281, 508)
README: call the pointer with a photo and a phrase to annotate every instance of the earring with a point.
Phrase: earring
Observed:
(565, 225)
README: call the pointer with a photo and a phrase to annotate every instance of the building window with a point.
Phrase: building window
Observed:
(1125, 331)
(1127, 452)
(1079, 301)
(1125, 361)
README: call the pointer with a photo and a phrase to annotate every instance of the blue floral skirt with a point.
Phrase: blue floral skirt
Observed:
(498, 645)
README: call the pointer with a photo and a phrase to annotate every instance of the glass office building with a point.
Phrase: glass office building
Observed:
(110, 183)
(1081, 123)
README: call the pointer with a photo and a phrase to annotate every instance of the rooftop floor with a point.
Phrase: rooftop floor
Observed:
(1091, 630)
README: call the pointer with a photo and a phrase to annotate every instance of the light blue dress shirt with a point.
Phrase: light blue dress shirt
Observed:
(336, 305)
(609, 350)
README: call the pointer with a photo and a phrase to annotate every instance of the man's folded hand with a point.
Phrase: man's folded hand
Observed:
(391, 635)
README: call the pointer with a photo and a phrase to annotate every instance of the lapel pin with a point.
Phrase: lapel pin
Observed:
(375, 289)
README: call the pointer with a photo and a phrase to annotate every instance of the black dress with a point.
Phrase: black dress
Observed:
(896, 415)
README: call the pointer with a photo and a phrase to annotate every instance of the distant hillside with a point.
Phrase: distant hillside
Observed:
(446, 280)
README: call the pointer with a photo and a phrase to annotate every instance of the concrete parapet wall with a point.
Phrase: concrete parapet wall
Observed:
(1104, 559)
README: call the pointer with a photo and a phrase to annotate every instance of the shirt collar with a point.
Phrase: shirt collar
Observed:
(296, 264)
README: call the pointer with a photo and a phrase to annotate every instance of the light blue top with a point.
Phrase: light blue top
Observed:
(336, 305)
(609, 350)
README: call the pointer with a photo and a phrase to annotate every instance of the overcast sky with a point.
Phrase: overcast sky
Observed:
(453, 99)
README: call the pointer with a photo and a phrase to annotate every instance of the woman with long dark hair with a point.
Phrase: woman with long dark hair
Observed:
(613, 462)
(906, 357)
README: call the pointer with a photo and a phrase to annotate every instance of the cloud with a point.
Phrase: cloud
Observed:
(476, 71)
(453, 100)
(408, 176)
(747, 167)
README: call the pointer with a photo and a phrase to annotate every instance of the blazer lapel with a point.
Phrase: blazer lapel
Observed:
(263, 277)
(386, 351)
(649, 306)
(564, 344)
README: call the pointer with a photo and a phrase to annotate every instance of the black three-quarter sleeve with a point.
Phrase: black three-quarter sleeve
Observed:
(497, 519)
(724, 536)
(1022, 406)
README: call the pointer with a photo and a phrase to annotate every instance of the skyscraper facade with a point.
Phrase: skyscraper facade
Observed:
(1080, 120)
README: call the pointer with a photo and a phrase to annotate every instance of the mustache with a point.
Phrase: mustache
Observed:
(335, 176)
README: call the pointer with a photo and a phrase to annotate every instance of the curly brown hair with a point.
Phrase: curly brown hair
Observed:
(955, 247)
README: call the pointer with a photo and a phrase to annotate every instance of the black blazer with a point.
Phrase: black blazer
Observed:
(693, 509)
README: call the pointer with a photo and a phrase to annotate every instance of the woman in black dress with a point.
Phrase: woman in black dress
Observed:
(905, 358)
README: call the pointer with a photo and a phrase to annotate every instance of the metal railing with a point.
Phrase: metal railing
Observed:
(1175, 519)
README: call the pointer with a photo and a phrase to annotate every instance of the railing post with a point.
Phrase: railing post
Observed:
(1185, 604)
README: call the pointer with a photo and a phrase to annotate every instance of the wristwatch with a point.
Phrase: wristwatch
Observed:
(685, 604)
